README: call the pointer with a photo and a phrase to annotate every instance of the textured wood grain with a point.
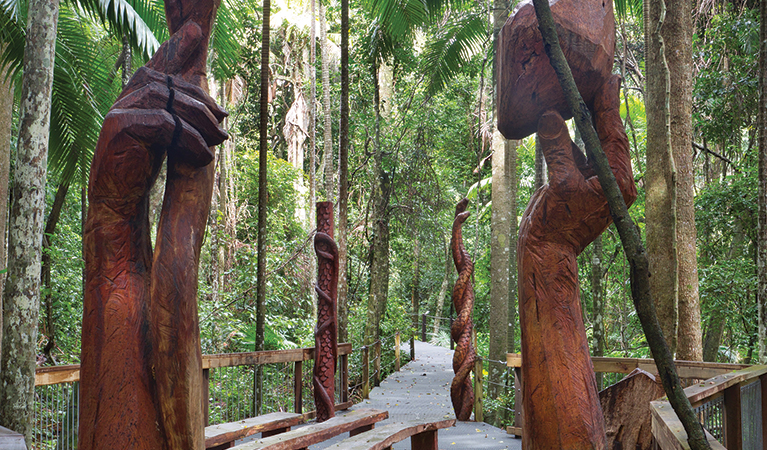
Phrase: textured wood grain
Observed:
(461, 390)
(626, 407)
(312, 434)
(384, 437)
(141, 372)
(560, 399)
(326, 331)
(216, 435)
(527, 84)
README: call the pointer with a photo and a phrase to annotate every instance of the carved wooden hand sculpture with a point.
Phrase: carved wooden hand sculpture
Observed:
(140, 371)
(560, 401)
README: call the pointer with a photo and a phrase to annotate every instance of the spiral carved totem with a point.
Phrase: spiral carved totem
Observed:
(141, 371)
(326, 333)
(461, 390)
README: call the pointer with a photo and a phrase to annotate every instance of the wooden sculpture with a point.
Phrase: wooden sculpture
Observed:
(141, 371)
(326, 333)
(560, 400)
(528, 85)
(461, 391)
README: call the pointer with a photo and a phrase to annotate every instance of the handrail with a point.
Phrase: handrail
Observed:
(667, 429)
(686, 369)
(66, 374)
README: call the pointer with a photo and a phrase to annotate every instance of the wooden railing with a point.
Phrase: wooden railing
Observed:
(720, 377)
(740, 398)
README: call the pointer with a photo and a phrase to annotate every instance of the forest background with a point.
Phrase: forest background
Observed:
(420, 137)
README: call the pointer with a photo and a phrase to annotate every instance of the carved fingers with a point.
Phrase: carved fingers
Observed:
(613, 137)
(155, 89)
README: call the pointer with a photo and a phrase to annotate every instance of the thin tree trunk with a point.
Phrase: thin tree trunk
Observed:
(540, 166)
(6, 123)
(661, 184)
(262, 198)
(21, 302)
(50, 230)
(379, 244)
(415, 300)
(762, 201)
(511, 328)
(597, 271)
(442, 293)
(313, 150)
(677, 33)
(343, 176)
(632, 242)
(326, 114)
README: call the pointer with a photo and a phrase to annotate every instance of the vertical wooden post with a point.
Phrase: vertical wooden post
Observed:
(519, 418)
(344, 378)
(426, 440)
(205, 396)
(298, 387)
(365, 372)
(732, 420)
(396, 351)
(763, 381)
(478, 407)
(412, 346)
(377, 364)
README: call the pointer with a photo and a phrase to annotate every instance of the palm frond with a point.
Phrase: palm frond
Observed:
(82, 92)
(142, 20)
(453, 46)
(626, 8)
(228, 32)
(12, 19)
(400, 17)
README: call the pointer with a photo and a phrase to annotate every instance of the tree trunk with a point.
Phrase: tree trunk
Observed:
(343, 177)
(415, 299)
(762, 236)
(313, 148)
(597, 294)
(6, 123)
(379, 243)
(50, 229)
(22, 291)
(677, 33)
(502, 219)
(262, 199)
(660, 176)
(327, 148)
(540, 166)
(442, 293)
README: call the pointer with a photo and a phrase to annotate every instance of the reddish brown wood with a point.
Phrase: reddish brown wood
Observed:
(626, 407)
(141, 379)
(325, 335)
(527, 83)
(461, 391)
(560, 399)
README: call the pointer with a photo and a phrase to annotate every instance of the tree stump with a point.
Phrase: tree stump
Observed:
(626, 406)
(528, 85)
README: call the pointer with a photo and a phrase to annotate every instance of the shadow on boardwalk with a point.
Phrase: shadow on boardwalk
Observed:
(421, 390)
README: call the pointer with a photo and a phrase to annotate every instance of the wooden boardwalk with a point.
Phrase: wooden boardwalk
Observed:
(421, 390)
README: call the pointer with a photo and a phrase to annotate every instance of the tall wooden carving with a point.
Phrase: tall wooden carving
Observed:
(461, 391)
(560, 400)
(326, 333)
(141, 371)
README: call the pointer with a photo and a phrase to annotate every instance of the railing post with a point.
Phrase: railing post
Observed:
(478, 408)
(449, 333)
(377, 365)
(205, 396)
(519, 418)
(298, 387)
(365, 372)
(763, 381)
(396, 351)
(423, 327)
(344, 378)
(732, 420)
